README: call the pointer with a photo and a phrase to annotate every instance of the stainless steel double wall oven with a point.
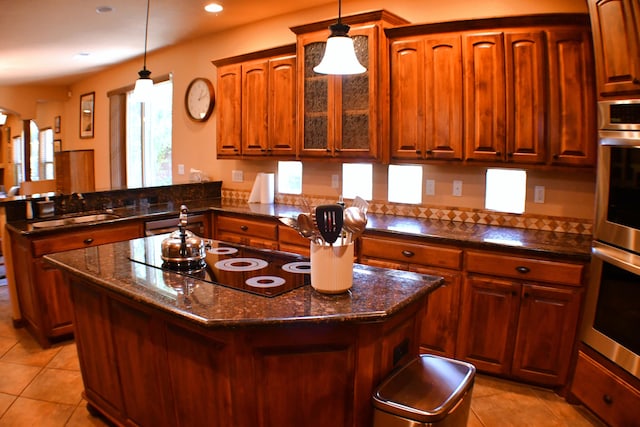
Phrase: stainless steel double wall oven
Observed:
(612, 312)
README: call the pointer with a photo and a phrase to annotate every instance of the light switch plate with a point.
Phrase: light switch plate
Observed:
(431, 187)
(538, 194)
(335, 181)
(457, 188)
(180, 169)
(237, 176)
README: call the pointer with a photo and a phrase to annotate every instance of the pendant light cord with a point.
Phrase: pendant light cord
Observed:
(146, 34)
(339, 11)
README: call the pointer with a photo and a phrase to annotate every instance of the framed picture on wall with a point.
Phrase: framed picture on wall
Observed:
(56, 124)
(87, 104)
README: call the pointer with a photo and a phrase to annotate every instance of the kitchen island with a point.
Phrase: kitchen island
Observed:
(163, 348)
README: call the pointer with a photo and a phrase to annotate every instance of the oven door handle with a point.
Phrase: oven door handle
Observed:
(621, 137)
(625, 260)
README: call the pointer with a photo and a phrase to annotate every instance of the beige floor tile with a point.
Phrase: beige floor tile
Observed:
(28, 352)
(56, 385)
(67, 358)
(5, 401)
(6, 343)
(14, 378)
(572, 415)
(28, 412)
(82, 418)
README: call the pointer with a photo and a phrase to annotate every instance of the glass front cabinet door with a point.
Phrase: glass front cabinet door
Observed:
(344, 116)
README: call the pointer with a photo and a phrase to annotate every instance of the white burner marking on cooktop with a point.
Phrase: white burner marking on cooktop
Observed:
(265, 281)
(222, 251)
(297, 267)
(241, 264)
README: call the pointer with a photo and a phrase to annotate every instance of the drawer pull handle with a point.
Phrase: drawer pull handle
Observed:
(244, 228)
(522, 269)
(607, 399)
(88, 241)
(408, 254)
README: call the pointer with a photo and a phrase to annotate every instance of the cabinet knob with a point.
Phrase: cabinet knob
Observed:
(418, 152)
(88, 241)
(556, 156)
(408, 254)
(498, 153)
(607, 399)
(429, 152)
(244, 228)
(522, 269)
(636, 81)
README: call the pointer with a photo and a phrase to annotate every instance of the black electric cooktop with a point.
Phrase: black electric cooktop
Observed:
(261, 272)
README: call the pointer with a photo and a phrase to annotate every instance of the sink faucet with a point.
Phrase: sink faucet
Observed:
(80, 197)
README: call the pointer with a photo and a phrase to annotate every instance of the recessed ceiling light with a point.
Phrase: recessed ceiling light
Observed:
(104, 9)
(213, 7)
(81, 55)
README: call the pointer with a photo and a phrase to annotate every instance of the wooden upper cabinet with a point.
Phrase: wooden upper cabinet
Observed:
(484, 92)
(344, 116)
(255, 107)
(615, 25)
(572, 101)
(282, 105)
(525, 96)
(268, 107)
(229, 110)
(257, 104)
(426, 97)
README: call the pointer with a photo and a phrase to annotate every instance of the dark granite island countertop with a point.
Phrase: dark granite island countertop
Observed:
(227, 357)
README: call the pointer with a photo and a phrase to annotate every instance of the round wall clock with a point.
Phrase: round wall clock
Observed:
(199, 99)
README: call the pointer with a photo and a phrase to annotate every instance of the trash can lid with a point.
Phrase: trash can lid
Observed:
(425, 389)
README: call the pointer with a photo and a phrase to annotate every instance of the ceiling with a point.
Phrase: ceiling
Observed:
(43, 41)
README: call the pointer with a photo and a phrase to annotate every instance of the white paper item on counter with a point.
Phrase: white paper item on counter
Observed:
(263, 189)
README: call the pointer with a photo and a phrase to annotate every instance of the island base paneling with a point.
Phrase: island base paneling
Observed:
(311, 374)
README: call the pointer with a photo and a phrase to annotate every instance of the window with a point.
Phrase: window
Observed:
(405, 184)
(34, 151)
(290, 177)
(357, 180)
(506, 190)
(18, 160)
(45, 164)
(148, 141)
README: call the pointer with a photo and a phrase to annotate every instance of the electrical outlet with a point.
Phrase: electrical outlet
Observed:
(237, 176)
(180, 169)
(335, 181)
(431, 187)
(457, 188)
(538, 194)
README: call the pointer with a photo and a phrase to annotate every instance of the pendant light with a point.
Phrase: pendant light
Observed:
(3, 118)
(144, 84)
(339, 54)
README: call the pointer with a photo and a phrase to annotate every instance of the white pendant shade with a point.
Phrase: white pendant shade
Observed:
(339, 57)
(3, 118)
(142, 90)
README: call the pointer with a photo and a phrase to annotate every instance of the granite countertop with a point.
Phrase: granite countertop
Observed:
(487, 237)
(376, 293)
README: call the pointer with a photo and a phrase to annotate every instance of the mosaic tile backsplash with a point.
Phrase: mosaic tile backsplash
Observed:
(466, 215)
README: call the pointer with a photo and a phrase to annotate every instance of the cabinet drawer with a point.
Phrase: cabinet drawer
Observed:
(411, 253)
(247, 227)
(290, 236)
(524, 268)
(614, 400)
(90, 236)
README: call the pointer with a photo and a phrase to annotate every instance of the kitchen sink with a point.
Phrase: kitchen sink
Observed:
(83, 219)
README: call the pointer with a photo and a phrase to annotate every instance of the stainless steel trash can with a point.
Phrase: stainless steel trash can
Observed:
(428, 391)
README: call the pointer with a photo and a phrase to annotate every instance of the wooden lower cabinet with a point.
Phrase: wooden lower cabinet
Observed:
(520, 328)
(440, 324)
(145, 367)
(603, 387)
(44, 298)
(509, 315)
(245, 230)
(289, 240)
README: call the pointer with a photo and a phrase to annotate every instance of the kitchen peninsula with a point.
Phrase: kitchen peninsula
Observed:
(162, 348)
